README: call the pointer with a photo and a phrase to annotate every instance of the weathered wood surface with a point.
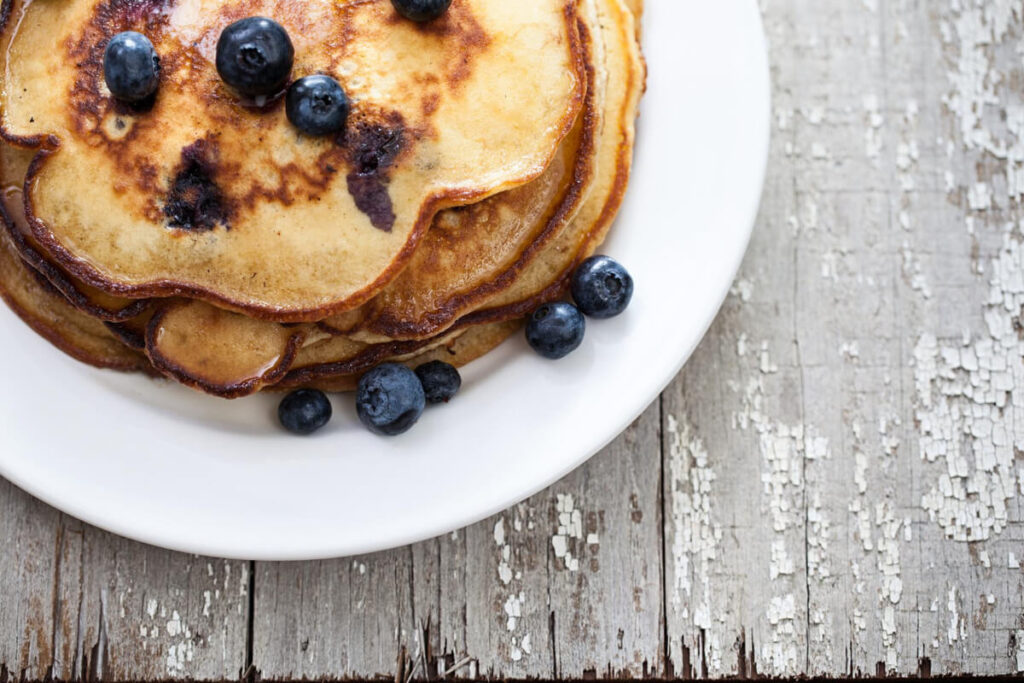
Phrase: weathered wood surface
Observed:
(832, 486)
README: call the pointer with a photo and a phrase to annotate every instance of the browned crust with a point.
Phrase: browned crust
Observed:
(129, 336)
(624, 164)
(235, 390)
(347, 382)
(438, 320)
(59, 339)
(61, 281)
(85, 272)
(558, 287)
(31, 141)
(364, 360)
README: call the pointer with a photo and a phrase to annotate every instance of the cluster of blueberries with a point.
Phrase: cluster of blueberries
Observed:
(254, 56)
(391, 397)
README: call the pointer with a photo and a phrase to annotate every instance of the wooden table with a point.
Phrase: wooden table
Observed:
(832, 486)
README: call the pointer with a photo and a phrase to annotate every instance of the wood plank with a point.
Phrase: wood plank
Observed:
(128, 611)
(334, 617)
(28, 530)
(605, 560)
(864, 389)
(569, 580)
(81, 603)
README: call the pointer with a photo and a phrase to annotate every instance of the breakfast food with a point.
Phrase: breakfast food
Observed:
(288, 194)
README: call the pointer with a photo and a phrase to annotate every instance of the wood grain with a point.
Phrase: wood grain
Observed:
(833, 485)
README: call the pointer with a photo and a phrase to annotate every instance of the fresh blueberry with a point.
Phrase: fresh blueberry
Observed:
(389, 399)
(317, 105)
(304, 411)
(131, 67)
(421, 10)
(555, 330)
(254, 56)
(601, 287)
(441, 381)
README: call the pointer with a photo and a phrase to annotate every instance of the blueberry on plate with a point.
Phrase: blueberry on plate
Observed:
(389, 399)
(131, 67)
(441, 381)
(601, 287)
(421, 10)
(317, 105)
(555, 330)
(254, 56)
(304, 411)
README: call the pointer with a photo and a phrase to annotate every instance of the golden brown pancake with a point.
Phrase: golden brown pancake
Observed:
(636, 8)
(232, 355)
(619, 82)
(14, 163)
(209, 198)
(622, 77)
(459, 350)
(227, 354)
(44, 309)
(468, 253)
(544, 274)
(472, 253)
(339, 355)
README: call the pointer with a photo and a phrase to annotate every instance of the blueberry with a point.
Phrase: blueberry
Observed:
(131, 67)
(304, 411)
(441, 381)
(555, 330)
(601, 287)
(421, 10)
(254, 56)
(389, 399)
(317, 105)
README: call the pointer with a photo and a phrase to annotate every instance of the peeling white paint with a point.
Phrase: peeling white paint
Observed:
(514, 610)
(914, 273)
(568, 532)
(174, 624)
(695, 537)
(785, 449)
(511, 579)
(967, 408)
(872, 134)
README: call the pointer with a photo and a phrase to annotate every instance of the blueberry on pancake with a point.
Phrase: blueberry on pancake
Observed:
(254, 56)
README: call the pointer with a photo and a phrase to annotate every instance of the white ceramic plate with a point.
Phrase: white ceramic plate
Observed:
(171, 467)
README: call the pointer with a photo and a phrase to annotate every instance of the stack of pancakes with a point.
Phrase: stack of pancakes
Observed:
(203, 238)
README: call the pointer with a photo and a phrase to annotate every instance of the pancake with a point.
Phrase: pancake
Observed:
(622, 77)
(220, 353)
(43, 309)
(460, 350)
(231, 355)
(497, 259)
(269, 222)
(636, 8)
(618, 85)
(14, 163)
(544, 276)
(337, 356)
(472, 253)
